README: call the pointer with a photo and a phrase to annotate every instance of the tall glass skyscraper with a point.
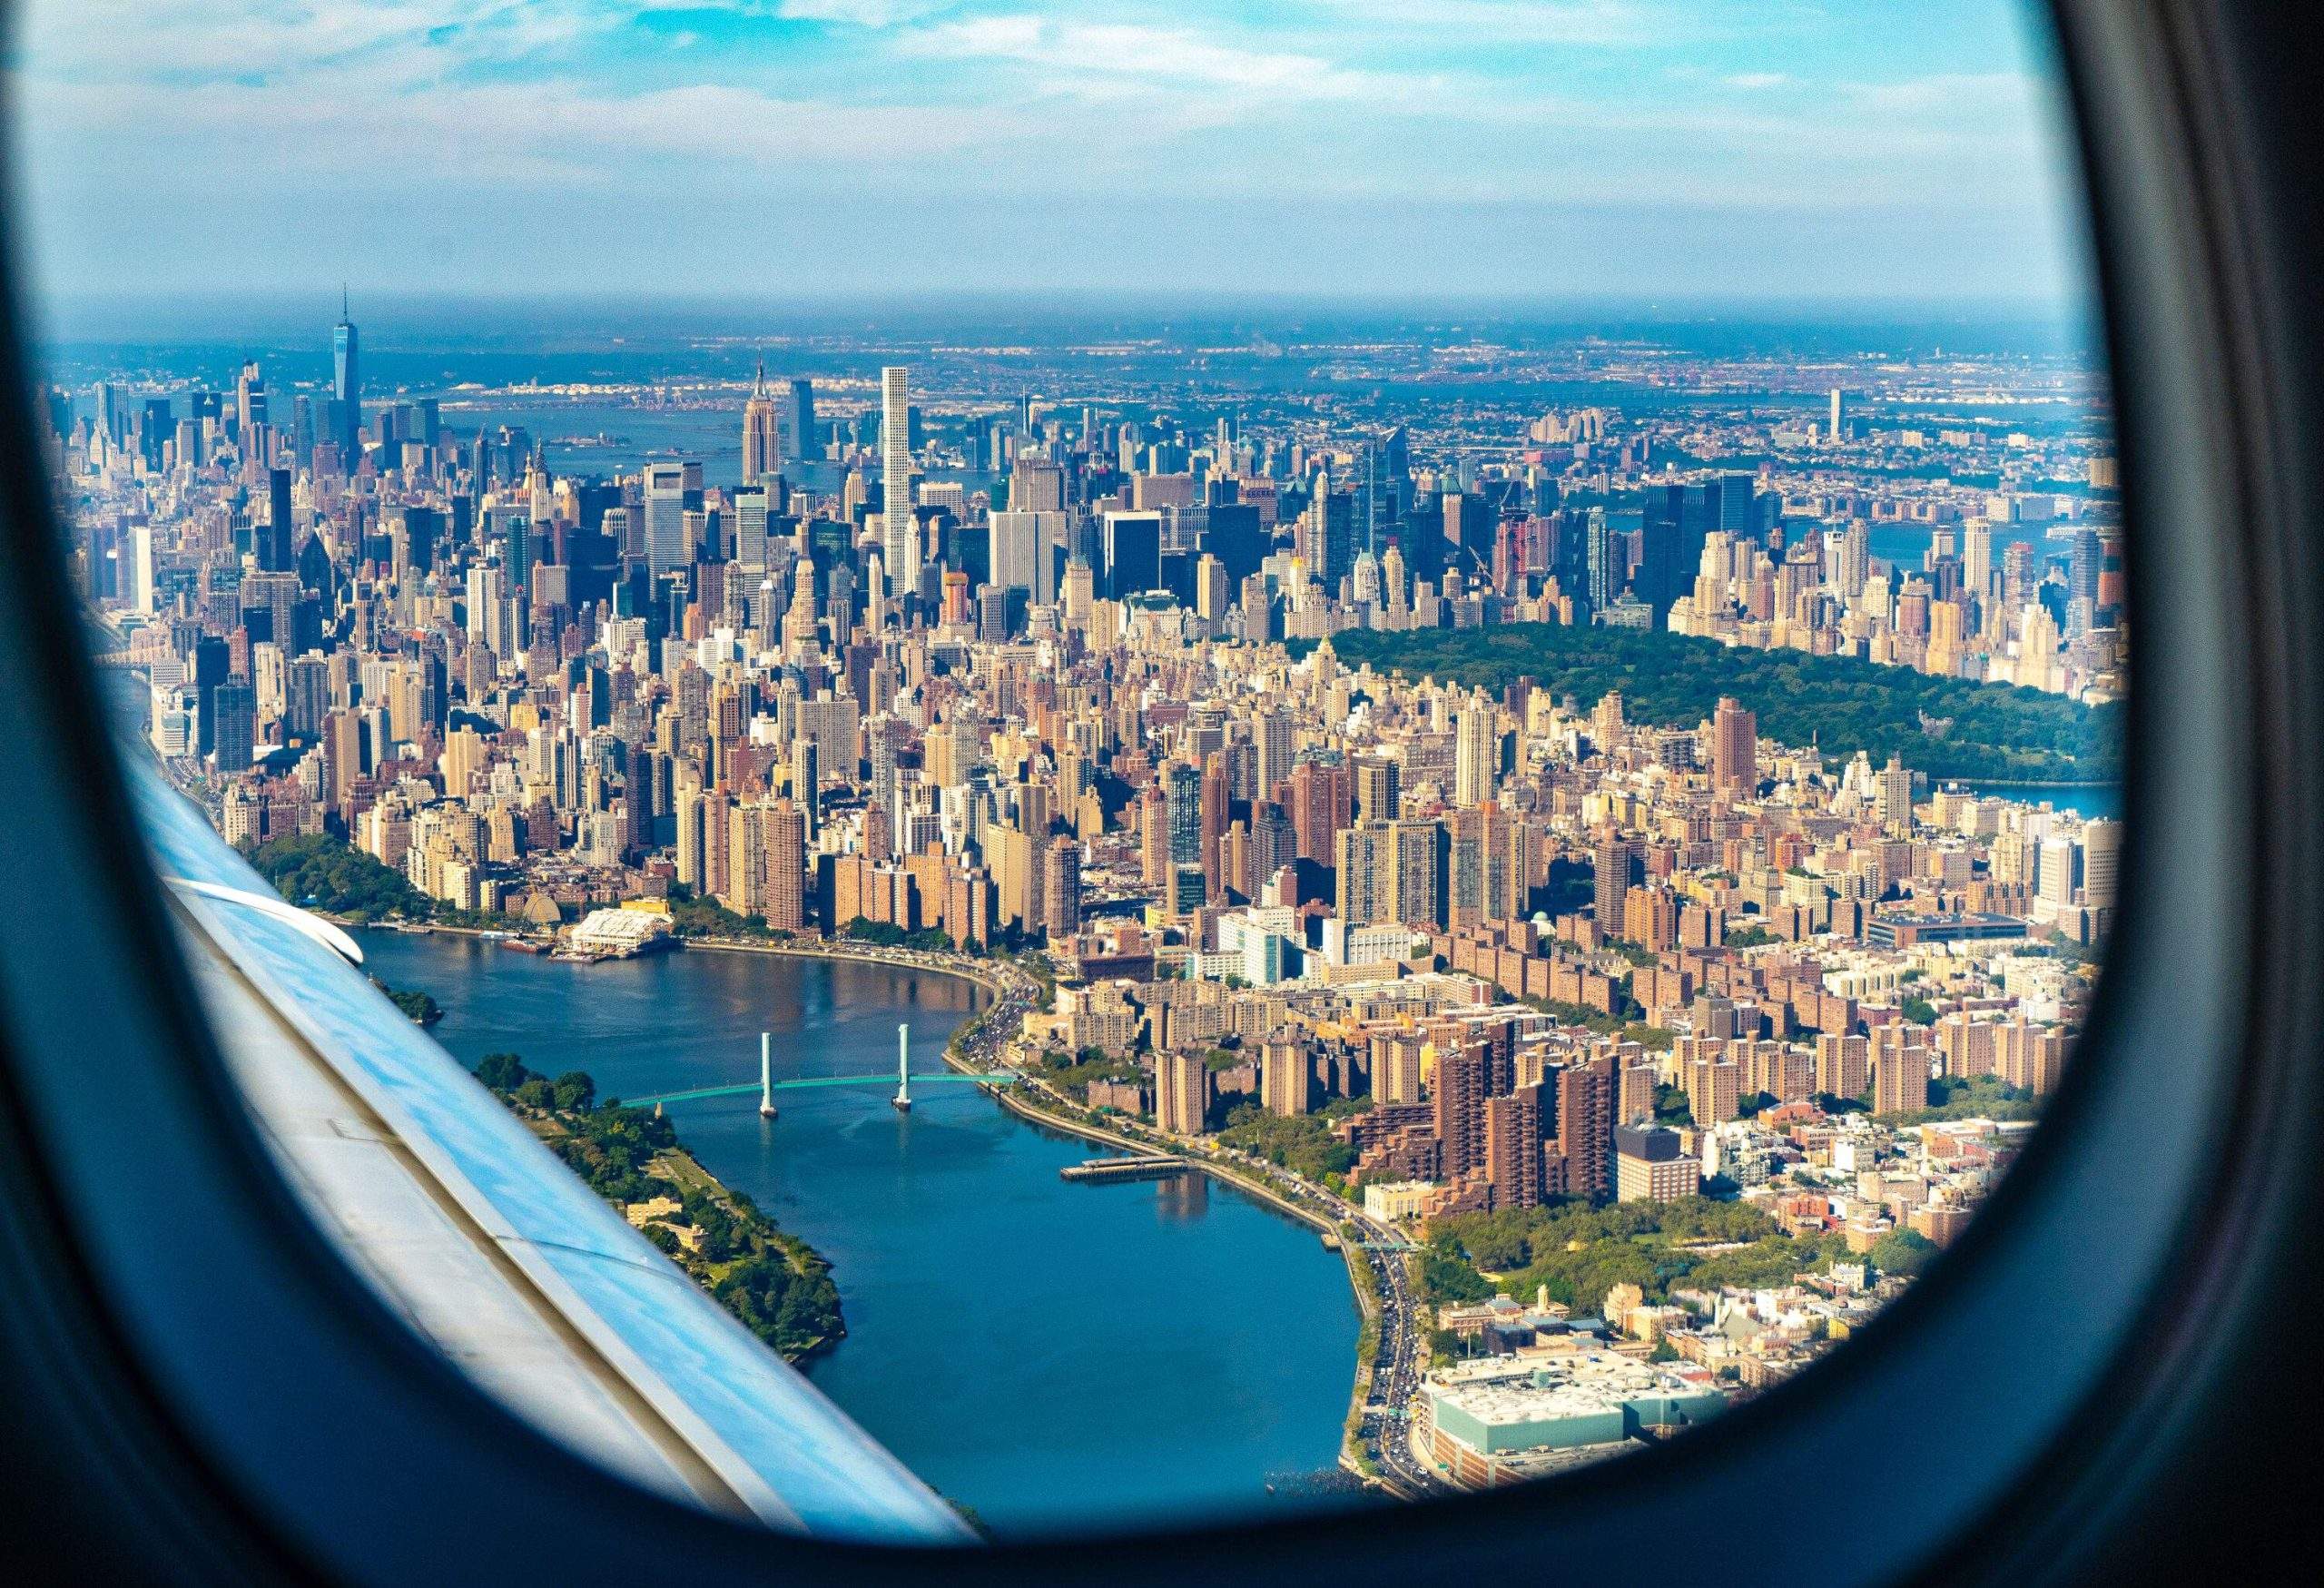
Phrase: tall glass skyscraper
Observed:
(664, 496)
(345, 386)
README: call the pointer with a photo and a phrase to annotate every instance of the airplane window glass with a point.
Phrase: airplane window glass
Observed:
(1236, 759)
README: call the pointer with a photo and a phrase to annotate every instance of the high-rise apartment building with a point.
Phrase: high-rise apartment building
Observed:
(1287, 1079)
(1512, 1132)
(1181, 1093)
(1586, 1097)
(1476, 751)
(1460, 1103)
(1714, 1090)
(785, 860)
(1611, 864)
(900, 529)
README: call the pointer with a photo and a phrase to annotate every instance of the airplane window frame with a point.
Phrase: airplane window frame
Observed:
(203, 1428)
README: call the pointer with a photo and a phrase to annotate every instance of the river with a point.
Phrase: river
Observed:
(1055, 1356)
(2090, 801)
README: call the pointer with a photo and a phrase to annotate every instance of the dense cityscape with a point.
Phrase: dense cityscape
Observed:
(1373, 799)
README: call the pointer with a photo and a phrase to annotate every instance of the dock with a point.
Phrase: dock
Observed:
(1104, 1170)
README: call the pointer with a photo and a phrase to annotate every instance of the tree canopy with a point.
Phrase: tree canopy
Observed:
(318, 872)
(1945, 728)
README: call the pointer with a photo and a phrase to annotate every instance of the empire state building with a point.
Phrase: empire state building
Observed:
(761, 436)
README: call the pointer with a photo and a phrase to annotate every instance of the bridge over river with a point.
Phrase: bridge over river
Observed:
(876, 1077)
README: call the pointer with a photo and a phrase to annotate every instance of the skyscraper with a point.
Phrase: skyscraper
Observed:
(232, 736)
(1734, 750)
(750, 523)
(666, 515)
(795, 424)
(1605, 577)
(1612, 866)
(345, 386)
(1022, 555)
(1476, 757)
(1182, 789)
(761, 436)
(903, 530)
(274, 545)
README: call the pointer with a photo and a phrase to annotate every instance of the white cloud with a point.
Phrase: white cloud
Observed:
(860, 13)
(1469, 23)
(1172, 56)
(1758, 80)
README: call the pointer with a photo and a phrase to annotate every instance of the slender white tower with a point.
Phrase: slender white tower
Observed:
(901, 530)
(904, 1069)
(766, 1075)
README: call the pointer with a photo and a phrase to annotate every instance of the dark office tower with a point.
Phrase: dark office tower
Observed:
(159, 424)
(429, 423)
(1182, 795)
(303, 431)
(423, 531)
(638, 806)
(1333, 551)
(345, 386)
(1612, 866)
(517, 552)
(2082, 567)
(1663, 569)
(1133, 553)
(1395, 475)
(1061, 890)
(306, 695)
(1234, 537)
(210, 668)
(796, 422)
(235, 732)
(1739, 513)
(277, 543)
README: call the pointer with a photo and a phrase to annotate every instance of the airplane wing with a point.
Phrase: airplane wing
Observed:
(488, 1246)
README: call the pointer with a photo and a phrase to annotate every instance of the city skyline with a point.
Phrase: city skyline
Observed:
(1561, 151)
(1527, 814)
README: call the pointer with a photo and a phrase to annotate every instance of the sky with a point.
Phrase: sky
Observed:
(1639, 151)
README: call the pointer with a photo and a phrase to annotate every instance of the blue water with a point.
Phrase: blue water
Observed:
(2089, 801)
(1055, 1356)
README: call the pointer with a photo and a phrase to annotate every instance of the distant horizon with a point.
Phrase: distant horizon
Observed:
(1736, 150)
(414, 319)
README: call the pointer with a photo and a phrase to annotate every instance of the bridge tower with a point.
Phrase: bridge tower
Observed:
(903, 1098)
(766, 1075)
